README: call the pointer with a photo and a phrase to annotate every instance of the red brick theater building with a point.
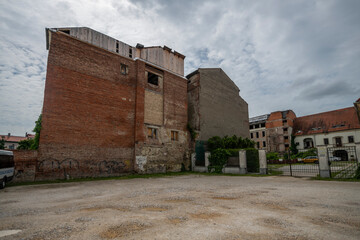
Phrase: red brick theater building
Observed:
(110, 108)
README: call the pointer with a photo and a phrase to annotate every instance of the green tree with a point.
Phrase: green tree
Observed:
(2, 143)
(37, 129)
(293, 148)
(25, 144)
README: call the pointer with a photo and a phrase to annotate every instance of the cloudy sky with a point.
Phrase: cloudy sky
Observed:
(299, 55)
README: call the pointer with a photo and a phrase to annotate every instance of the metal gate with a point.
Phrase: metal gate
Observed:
(295, 167)
(343, 161)
(200, 153)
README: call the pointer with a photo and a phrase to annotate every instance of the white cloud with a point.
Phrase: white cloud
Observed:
(300, 55)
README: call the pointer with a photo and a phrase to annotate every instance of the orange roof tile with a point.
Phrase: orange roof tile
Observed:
(15, 138)
(333, 121)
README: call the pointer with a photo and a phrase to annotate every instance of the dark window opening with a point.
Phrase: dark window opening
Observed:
(257, 134)
(263, 125)
(285, 129)
(286, 137)
(284, 121)
(263, 133)
(251, 126)
(351, 139)
(117, 47)
(65, 31)
(258, 144)
(153, 79)
(338, 142)
(251, 135)
(264, 144)
(130, 52)
(326, 141)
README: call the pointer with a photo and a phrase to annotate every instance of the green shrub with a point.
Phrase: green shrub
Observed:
(218, 159)
(234, 152)
(226, 142)
(272, 156)
(252, 160)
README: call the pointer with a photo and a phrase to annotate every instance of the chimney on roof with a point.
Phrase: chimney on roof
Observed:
(26, 134)
(9, 134)
(139, 46)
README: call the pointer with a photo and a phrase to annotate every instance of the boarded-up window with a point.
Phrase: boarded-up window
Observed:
(174, 136)
(152, 133)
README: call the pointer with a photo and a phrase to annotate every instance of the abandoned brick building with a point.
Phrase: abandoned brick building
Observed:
(272, 132)
(111, 108)
(215, 107)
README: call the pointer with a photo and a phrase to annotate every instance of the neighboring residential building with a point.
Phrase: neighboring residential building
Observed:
(272, 132)
(258, 131)
(215, 107)
(338, 130)
(111, 108)
(12, 142)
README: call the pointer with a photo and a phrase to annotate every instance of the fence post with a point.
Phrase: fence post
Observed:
(242, 162)
(323, 162)
(193, 159)
(263, 162)
(207, 155)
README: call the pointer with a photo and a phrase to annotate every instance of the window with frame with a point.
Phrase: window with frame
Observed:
(152, 133)
(153, 79)
(263, 133)
(124, 69)
(174, 136)
(326, 141)
(338, 142)
(351, 139)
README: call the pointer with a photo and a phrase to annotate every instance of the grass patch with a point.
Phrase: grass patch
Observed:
(132, 176)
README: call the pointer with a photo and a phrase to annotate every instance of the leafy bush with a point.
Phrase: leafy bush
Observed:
(218, 159)
(25, 144)
(272, 156)
(226, 142)
(252, 160)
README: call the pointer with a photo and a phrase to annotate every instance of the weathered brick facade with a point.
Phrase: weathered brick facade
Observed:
(94, 121)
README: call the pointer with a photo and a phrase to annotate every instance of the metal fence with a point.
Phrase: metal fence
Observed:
(343, 162)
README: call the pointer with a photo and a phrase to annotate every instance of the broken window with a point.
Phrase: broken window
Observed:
(130, 52)
(284, 121)
(258, 144)
(351, 139)
(117, 46)
(251, 135)
(285, 129)
(67, 31)
(174, 136)
(326, 141)
(263, 133)
(257, 134)
(262, 124)
(124, 69)
(286, 137)
(152, 133)
(264, 144)
(153, 79)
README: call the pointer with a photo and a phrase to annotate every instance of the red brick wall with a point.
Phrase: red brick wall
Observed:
(25, 165)
(88, 113)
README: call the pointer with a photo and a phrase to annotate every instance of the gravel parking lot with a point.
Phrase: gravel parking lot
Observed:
(183, 207)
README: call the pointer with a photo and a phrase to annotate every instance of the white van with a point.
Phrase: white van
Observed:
(6, 167)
